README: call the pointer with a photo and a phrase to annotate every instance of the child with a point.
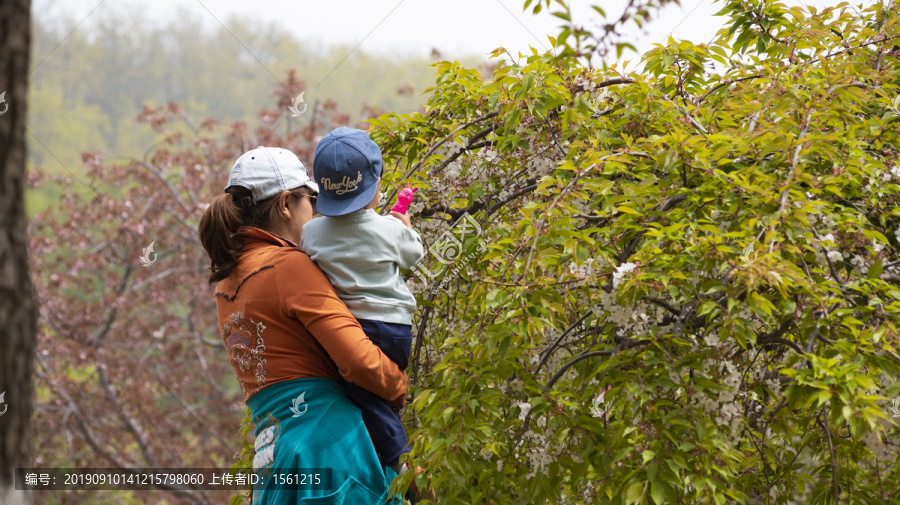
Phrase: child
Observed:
(362, 252)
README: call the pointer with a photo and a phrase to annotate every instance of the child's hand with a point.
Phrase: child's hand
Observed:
(404, 218)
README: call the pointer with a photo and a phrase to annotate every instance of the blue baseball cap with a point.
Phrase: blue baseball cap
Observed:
(346, 166)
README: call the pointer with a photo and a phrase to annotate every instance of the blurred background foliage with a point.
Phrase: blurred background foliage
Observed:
(86, 92)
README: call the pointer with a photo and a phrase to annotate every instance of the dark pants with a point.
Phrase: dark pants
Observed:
(384, 425)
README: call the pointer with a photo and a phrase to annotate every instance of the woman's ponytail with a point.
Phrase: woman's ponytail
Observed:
(218, 234)
(219, 225)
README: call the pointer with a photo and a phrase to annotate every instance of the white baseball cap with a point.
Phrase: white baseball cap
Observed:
(267, 172)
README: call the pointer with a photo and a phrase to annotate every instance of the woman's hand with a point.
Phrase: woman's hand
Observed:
(398, 404)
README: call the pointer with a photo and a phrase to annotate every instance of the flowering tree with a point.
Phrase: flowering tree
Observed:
(131, 369)
(678, 286)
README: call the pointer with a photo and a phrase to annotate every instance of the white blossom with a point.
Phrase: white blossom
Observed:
(454, 147)
(860, 267)
(524, 408)
(585, 270)
(620, 272)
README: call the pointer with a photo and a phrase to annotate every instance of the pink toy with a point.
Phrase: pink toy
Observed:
(404, 199)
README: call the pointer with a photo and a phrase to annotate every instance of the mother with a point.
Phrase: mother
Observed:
(290, 338)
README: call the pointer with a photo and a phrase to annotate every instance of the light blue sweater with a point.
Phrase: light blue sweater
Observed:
(362, 253)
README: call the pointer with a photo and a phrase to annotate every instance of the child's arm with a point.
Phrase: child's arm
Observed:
(409, 243)
(404, 218)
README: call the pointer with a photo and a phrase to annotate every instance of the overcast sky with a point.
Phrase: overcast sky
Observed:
(410, 27)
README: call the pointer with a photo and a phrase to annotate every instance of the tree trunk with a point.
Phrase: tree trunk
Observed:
(18, 313)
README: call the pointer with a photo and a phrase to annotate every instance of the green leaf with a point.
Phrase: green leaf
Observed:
(627, 210)
(447, 414)
(875, 270)
(657, 493)
(635, 493)
(504, 346)
(563, 15)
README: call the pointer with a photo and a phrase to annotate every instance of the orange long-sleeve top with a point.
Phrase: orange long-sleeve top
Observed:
(280, 320)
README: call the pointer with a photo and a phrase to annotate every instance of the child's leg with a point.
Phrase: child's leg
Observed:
(394, 340)
(384, 425)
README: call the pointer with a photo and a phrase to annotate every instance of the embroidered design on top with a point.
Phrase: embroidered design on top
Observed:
(345, 186)
(245, 347)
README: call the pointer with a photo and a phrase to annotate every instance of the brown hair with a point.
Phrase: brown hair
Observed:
(219, 224)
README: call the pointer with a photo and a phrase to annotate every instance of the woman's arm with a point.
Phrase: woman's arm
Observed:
(311, 299)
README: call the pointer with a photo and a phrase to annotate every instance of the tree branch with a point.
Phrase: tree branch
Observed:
(86, 432)
(420, 337)
(191, 412)
(131, 424)
(885, 39)
(550, 349)
(612, 82)
(150, 168)
(431, 151)
(468, 147)
(663, 304)
(583, 356)
(683, 316)
(727, 82)
(835, 489)
(98, 337)
(527, 189)
(592, 354)
(784, 341)
(631, 248)
(834, 273)
(699, 127)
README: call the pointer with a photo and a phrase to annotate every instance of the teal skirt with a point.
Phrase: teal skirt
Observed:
(313, 448)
